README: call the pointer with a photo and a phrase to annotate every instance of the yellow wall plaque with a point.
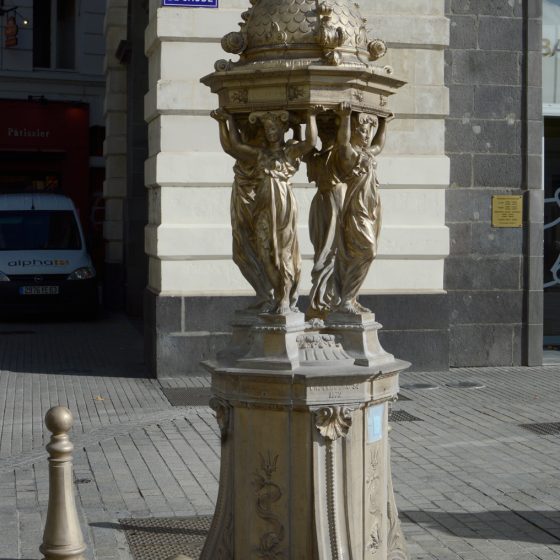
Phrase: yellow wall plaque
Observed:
(507, 211)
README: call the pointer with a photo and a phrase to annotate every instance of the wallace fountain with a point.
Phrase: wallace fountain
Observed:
(301, 397)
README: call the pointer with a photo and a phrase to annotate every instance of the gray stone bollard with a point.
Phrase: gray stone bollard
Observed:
(62, 539)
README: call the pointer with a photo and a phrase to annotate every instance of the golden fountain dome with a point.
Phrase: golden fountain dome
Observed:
(333, 31)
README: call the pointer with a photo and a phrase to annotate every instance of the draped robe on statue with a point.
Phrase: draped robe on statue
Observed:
(245, 251)
(360, 224)
(276, 221)
(323, 226)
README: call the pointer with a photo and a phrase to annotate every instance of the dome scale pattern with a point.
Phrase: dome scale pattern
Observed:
(301, 29)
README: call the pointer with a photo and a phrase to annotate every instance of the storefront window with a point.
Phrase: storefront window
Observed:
(54, 34)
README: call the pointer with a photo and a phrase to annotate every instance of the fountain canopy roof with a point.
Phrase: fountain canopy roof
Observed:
(294, 54)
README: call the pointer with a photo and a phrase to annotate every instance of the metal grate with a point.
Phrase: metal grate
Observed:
(156, 538)
(543, 429)
(420, 386)
(465, 385)
(403, 416)
(187, 396)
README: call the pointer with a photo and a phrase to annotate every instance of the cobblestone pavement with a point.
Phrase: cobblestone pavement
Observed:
(471, 483)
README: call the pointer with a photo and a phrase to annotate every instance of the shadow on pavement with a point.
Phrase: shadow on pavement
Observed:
(110, 346)
(539, 527)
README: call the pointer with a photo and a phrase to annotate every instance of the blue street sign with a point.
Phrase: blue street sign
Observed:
(191, 3)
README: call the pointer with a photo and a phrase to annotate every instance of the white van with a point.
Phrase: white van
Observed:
(44, 263)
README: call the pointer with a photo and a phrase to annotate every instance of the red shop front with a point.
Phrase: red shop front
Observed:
(44, 147)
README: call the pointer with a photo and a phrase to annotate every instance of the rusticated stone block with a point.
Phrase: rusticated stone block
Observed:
(461, 171)
(483, 67)
(498, 171)
(461, 100)
(464, 32)
(500, 34)
(468, 272)
(488, 240)
(481, 345)
(484, 307)
(497, 102)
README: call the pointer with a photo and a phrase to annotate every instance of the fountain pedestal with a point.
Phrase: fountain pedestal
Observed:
(305, 470)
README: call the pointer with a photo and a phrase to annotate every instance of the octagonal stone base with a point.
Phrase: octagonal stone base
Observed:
(305, 468)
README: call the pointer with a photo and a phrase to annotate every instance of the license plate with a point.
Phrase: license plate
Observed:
(39, 290)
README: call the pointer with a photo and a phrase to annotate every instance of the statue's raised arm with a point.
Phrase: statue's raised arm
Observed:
(378, 142)
(303, 147)
(345, 151)
(230, 139)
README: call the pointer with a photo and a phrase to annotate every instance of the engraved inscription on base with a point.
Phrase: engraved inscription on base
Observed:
(343, 392)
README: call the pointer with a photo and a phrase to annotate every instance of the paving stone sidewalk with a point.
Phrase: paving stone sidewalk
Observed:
(471, 483)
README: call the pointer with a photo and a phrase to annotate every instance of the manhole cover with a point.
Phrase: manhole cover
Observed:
(402, 416)
(164, 537)
(543, 429)
(187, 396)
(465, 385)
(403, 398)
(420, 386)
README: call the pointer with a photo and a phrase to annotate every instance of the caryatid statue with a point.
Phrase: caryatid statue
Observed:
(324, 214)
(242, 207)
(361, 138)
(345, 215)
(264, 209)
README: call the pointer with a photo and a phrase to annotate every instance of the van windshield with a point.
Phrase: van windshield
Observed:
(33, 230)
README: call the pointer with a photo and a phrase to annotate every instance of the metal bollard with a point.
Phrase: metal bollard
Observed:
(62, 539)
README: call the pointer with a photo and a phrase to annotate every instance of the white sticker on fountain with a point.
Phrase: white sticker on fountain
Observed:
(375, 416)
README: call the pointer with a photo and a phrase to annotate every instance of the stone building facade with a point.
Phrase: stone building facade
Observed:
(448, 287)
(494, 275)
